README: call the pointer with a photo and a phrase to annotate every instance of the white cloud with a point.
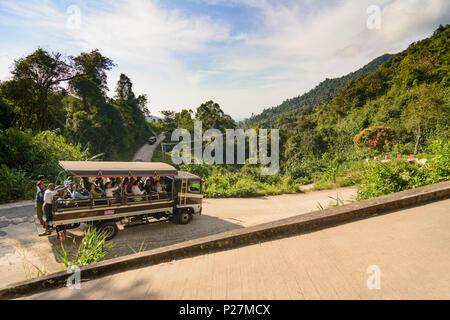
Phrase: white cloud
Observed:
(405, 19)
(182, 59)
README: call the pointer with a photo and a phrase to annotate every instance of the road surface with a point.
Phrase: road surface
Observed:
(145, 153)
(21, 248)
(401, 255)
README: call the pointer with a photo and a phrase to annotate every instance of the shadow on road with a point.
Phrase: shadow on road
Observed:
(153, 236)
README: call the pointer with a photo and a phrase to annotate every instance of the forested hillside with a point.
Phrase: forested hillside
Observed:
(400, 108)
(325, 91)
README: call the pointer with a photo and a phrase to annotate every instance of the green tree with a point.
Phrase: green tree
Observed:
(133, 111)
(169, 121)
(184, 119)
(212, 116)
(427, 108)
(91, 84)
(38, 75)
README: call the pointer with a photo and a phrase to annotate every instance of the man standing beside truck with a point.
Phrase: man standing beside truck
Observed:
(48, 206)
(39, 201)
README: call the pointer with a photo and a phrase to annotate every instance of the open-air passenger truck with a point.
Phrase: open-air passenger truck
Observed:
(183, 197)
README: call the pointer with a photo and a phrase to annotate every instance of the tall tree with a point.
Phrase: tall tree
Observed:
(91, 86)
(43, 72)
(124, 90)
(169, 121)
(427, 108)
(212, 116)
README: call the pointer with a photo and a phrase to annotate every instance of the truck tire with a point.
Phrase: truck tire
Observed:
(108, 228)
(184, 216)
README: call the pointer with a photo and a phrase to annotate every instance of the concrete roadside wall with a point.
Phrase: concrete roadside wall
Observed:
(239, 237)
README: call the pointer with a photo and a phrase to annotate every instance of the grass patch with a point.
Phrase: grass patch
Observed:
(93, 248)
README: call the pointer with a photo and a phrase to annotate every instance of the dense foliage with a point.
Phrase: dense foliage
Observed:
(378, 138)
(56, 108)
(48, 91)
(25, 155)
(209, 113)
(397, 175)
(241, 181)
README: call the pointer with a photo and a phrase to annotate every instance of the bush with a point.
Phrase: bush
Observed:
(379, 179)
(248, 183)
(156, 127)
(304, 169)
(50, 148)
(25, 156)
(15, 184)
(377, 138)
(439, 164)
(398, 175)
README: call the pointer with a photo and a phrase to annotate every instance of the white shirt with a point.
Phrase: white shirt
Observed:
(48, 196)
(110, 192)
(136, 191)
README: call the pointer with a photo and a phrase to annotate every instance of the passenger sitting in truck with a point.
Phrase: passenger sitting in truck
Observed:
(137, 191)
(121, 183)
(99, 186)
(130, 185)
(78, 195)
(116, 182)
(69, 193)
(109, 189)
(141, 185)
(148, 186)
(85, 183)
(125, 184)
(154, 185)
(94, 194)
(158, 188)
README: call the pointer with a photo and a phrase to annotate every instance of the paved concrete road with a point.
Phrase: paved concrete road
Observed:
(20, 247)
(21, 250)
(145, 153)
(410, 247)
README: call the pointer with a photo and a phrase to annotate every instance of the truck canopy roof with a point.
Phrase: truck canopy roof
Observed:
(117, 169)
(186, 175)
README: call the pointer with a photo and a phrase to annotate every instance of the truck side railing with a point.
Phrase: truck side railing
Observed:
(61, 205)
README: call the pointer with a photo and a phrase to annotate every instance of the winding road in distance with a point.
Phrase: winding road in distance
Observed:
(145, 153)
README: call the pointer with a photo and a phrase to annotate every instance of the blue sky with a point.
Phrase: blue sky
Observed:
(246, 55)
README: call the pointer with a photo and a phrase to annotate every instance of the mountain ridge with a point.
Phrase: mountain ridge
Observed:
(324, 91)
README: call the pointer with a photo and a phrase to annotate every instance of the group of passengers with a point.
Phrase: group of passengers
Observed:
(85, 190)
(117, 186)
